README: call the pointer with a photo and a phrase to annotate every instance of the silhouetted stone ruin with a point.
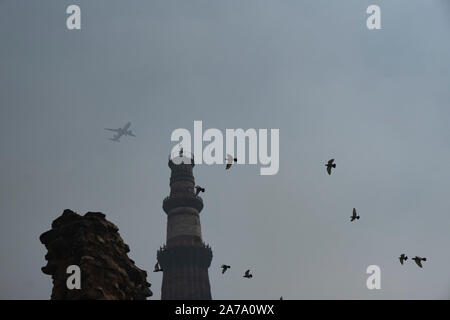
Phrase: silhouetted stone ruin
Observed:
(94, 244)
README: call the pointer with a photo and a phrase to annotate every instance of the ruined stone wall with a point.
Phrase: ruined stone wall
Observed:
(94, 244)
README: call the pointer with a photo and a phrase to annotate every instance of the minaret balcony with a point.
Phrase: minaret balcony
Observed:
(173, 202)
(185, 255)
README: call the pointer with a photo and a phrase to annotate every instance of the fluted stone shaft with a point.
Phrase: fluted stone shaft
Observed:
(185, 259)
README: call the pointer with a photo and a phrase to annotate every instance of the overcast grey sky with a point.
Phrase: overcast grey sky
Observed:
(377, 101)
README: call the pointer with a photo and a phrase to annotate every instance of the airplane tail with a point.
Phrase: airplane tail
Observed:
(424, 259)
(334, 165)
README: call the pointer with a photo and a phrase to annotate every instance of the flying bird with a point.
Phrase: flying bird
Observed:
(418, 260)
(230, 161)
(198, 190)
(354, 216)
(225, 268)
(157, 268)
(247, 274)
(402, 258)
(330, 165)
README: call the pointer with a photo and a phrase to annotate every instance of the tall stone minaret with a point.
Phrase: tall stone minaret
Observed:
(185, 259)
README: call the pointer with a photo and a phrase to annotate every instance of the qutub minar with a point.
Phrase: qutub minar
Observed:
(185, 258)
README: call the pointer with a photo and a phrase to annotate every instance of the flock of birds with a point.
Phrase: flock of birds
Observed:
(247, 273)
(329, 165)
(418, 260)
(224, 267)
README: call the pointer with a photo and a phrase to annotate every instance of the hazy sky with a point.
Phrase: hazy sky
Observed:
(376, 101)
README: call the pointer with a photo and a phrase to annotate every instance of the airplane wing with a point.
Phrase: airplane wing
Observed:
(115, 130)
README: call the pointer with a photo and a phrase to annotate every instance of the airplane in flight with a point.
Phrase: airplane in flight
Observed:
(121, 132)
